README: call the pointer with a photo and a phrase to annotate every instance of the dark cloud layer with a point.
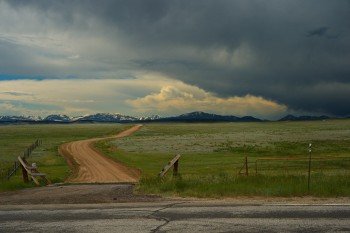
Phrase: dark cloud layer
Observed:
(294, 52)
(318, 31)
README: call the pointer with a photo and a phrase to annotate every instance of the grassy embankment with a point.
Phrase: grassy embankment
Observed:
(14, 139)
(213, 155)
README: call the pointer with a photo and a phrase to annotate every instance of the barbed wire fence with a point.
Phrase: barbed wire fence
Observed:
(7, 173)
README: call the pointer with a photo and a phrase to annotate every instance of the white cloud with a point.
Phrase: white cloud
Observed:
(176, 100)
(8, 108)
(76, 96)
(147, 93)
(73, 57)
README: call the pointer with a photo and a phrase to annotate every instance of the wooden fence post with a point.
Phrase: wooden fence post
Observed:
(176, 167)
(175, 163)
(245, 167)
(25, 174)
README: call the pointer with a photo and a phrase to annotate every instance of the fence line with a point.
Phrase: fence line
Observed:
(16, 165)
(318, 158)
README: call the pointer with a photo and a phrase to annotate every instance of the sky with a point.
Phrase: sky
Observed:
(265, 58)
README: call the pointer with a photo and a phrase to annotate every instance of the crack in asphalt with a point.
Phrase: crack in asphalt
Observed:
(166, 220)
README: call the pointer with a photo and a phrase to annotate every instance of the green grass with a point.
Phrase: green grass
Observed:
(213, 154)
(14, 139)
(15, 184)
(228, 185)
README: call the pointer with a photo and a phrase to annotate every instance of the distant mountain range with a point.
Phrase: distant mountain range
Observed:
(207, 117)
(303, 118)
(120, 118)
(99, 117)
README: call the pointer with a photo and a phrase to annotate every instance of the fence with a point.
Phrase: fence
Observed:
(325, 164)
(173, 163)
(16, 165)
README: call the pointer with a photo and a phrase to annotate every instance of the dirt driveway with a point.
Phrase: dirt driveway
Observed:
(90, 166)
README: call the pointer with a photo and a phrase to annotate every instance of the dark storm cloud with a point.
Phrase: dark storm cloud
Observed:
(318, 32)
(289, 68)
(293, 52)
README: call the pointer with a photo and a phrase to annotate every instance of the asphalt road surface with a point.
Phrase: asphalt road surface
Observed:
(176, 217)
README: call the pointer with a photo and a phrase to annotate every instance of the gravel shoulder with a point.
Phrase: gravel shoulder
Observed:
(125, 193)
(76, 194)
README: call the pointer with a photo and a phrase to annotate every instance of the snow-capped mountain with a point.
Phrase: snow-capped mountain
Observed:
(61, 118)
(99, 117)
(58, 118)
(106, 117)
(19, 118)
(149, 118)
(120, 118)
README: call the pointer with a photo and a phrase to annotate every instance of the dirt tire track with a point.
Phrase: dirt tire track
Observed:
(90, 166)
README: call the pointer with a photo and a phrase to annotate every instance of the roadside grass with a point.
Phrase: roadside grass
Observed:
(212, 156)
(14, 139)
(228, 185)
(15, 184)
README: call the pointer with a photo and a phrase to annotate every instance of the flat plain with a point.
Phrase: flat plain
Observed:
(213, 158)
(213, 155)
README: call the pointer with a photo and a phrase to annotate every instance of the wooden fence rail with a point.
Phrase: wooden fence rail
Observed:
(173, 163)
(6, 175)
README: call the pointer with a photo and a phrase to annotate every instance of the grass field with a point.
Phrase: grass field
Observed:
(14, 139)
(213, 154)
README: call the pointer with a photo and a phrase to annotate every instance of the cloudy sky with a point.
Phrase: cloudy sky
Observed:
(265, 58)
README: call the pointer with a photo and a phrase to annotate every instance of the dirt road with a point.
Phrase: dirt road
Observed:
(89, 166)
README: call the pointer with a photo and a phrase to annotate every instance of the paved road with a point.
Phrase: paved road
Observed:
(175, 217)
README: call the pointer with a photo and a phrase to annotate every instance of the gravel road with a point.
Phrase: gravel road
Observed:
(94, 167)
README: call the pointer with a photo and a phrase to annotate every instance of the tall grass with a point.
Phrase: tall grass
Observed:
(15, 183)
(228, 185)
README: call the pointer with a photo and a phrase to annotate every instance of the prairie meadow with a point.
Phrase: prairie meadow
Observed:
(217, 159)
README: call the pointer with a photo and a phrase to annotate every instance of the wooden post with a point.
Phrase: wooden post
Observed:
(309, 170)
(176, 167)
(25, 174)
(171, 164)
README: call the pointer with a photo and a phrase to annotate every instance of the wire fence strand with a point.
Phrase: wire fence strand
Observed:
(12, 170)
